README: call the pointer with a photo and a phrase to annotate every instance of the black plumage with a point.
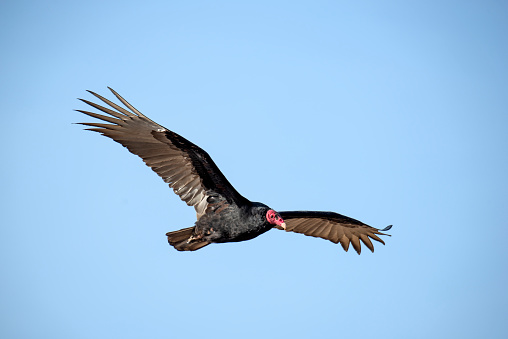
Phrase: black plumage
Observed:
(223, 214)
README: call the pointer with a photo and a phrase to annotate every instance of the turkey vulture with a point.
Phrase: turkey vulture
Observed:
(223, 214)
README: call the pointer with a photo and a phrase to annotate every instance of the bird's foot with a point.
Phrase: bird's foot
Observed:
(194, 237)
(200, 235)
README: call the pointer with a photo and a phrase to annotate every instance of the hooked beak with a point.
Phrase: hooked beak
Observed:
(283, 225)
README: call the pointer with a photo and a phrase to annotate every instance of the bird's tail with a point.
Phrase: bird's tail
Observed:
(180, 240)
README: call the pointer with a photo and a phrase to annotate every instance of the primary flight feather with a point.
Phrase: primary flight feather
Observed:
(223, 214)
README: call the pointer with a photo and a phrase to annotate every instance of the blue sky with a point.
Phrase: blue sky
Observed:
(390, 112)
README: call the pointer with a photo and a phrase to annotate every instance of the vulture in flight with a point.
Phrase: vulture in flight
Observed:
(223, 214)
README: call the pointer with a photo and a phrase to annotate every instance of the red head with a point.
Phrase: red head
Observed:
(275, 219)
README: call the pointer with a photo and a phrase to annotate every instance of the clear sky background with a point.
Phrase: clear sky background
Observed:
(390, 112)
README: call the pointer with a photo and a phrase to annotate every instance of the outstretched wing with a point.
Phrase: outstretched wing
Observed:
(187, 169)
(332, 226)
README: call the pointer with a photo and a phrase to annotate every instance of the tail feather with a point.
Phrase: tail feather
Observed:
(178, 239)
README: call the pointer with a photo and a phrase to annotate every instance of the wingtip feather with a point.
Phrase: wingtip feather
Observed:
(387, 228)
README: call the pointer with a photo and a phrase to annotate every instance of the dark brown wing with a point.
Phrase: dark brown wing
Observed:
(332, 226)
(187, 169)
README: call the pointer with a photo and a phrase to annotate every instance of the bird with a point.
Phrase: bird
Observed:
(223, 215)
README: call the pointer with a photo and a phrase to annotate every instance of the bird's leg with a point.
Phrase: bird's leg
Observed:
(194, 237)
(200, 235)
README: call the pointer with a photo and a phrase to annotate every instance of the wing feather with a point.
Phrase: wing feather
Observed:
(115, 106)
(356, 243)
(188, 169)
(365, 239)
(334, 234)
(334, 227)
(344, 241)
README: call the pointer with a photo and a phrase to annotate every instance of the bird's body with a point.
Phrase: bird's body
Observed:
(226, 223)
(223, 215)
